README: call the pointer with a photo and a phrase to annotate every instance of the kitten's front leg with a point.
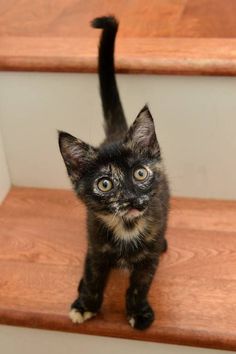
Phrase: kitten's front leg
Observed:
(90, 289)
(139, 312)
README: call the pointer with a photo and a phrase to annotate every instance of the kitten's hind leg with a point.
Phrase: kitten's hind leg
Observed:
(90, 290)
(165, 245)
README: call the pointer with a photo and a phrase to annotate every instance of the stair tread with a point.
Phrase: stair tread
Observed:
(165, 37)
(43, 242)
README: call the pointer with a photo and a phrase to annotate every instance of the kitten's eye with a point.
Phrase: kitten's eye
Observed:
(140, 174)
(105, 184)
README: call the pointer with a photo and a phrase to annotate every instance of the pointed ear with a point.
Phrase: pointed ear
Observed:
(76, 154)
(141, 135)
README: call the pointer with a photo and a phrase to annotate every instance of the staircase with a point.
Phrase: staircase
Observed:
(180, 57)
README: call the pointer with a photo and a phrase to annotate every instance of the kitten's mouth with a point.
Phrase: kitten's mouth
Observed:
(133, 213)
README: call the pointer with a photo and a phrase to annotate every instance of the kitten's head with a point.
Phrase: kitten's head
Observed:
(118, 178)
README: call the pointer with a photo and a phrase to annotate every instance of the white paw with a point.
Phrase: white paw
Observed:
(132, 322)
(77, 317)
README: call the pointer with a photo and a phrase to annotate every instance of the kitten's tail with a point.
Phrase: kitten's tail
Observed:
(112, 107)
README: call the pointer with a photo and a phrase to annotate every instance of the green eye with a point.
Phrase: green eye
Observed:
(140, 174)
(105, 184)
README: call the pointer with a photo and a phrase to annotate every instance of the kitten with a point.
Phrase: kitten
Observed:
(125, 189)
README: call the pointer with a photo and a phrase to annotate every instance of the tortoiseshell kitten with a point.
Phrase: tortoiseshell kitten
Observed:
(125, 189)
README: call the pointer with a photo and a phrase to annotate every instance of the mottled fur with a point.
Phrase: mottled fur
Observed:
(127, 224)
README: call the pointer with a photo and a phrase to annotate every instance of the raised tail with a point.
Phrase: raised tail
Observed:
(115, 122)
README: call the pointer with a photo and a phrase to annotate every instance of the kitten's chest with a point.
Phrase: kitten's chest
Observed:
(128, 257)
(125, 232)
(125, 254)
(126, 244)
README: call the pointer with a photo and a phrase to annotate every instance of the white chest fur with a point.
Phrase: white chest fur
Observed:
(119, 229)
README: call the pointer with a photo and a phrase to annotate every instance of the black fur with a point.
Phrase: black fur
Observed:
(126, 223)
(112, 108)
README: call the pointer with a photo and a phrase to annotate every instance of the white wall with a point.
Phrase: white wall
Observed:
(195, 123)
(4, 175)
(16, 340)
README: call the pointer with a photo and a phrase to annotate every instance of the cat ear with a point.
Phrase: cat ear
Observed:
(141, 135)
(76, 154)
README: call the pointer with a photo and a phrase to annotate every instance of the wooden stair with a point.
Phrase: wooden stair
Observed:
(43, 232)
(43, 242)
(164, 37)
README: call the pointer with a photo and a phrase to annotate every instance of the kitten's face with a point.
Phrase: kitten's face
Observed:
(119, 183)
(119, 178)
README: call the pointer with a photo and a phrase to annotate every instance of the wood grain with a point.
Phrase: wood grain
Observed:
(152, 56)
(159, 37)
(43, 242)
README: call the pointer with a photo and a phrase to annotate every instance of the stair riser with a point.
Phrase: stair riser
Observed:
(195, 123)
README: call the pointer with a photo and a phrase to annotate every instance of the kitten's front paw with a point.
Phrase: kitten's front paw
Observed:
(79, 317)
(78, 313)
(141, 319)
